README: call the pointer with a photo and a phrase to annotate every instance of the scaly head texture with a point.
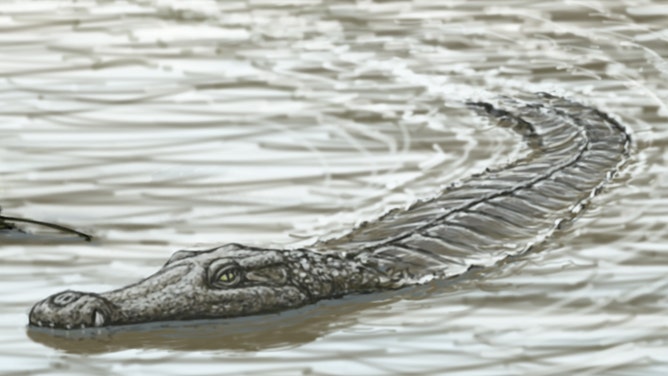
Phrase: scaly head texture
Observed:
(229, 281)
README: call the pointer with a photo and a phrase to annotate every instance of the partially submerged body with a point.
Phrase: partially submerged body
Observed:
(476, 223)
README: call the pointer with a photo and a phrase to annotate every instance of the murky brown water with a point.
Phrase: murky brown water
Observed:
(158, 125)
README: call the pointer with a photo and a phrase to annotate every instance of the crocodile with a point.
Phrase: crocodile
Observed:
(500, 213)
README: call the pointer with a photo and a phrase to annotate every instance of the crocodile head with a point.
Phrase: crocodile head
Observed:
(228, 281)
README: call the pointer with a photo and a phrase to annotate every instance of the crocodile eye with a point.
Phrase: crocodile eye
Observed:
(227, 276)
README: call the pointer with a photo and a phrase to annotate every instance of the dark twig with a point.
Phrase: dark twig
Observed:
(51, 225)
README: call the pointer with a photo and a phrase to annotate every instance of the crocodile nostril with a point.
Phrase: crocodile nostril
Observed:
(65, 298)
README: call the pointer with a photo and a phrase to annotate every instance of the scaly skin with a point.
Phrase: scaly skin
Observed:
(478, 222)
(188, 287)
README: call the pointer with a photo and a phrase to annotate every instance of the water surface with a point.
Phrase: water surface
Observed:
(161, 125)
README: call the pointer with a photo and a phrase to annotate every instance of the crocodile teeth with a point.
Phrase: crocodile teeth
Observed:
(98, 319)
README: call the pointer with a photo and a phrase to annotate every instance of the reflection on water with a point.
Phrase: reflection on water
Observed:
(163, 125)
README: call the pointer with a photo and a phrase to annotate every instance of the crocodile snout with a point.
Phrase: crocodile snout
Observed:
(72, 309)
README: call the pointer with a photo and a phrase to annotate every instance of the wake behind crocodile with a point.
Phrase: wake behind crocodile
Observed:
(500, 213)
